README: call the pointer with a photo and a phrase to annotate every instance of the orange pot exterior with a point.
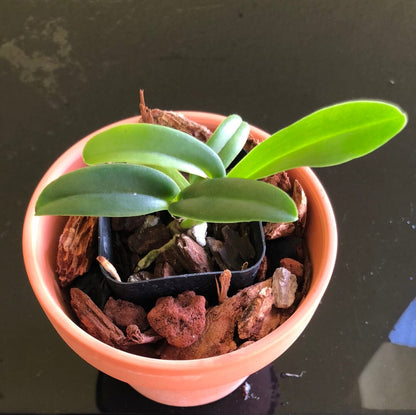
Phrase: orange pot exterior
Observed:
(178, 383)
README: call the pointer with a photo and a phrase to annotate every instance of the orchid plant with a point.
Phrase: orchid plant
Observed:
(137, 169)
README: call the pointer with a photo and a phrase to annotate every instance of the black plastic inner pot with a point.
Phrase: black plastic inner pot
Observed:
(146, 292)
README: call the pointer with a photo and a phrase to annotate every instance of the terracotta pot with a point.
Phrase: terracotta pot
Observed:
(179, 383)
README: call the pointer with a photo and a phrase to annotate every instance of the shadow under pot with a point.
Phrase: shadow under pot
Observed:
(147, 291)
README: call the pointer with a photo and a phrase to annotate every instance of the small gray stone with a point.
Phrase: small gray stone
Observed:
(284, 286)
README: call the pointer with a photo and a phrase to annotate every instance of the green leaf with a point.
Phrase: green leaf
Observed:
(228, 141)
(224, 132)
(149, 144)
(235, 144)
(221, 138)
(108, 190)
(234, 200)
(174, 174)
(330, 136)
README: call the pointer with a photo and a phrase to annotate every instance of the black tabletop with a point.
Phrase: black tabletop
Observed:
(69, 67)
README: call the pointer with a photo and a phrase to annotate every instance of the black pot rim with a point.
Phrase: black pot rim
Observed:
(202, 283)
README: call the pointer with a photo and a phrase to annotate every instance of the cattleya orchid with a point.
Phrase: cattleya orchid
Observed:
(138, 169)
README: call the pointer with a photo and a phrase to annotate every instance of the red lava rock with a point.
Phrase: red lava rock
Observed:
(124, 313)
(180, 320)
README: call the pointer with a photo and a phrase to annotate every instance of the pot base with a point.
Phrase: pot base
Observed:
(189, 398)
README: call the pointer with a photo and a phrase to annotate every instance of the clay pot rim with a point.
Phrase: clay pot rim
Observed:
(65, 324)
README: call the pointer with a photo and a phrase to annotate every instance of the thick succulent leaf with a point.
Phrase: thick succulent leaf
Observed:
(235, 144)
(224, 132)
(149, 144)
(228, 200)
(108, 190)
(330, 136)
(225, 140)
(174, 174)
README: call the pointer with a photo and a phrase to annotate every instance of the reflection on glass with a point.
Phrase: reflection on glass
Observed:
(258, 395)
(388, 381)
(404, 331)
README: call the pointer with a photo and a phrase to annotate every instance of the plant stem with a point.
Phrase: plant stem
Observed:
(189, 223)
(150, 257)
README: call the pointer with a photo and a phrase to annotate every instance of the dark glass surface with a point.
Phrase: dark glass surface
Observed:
(69, 67)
